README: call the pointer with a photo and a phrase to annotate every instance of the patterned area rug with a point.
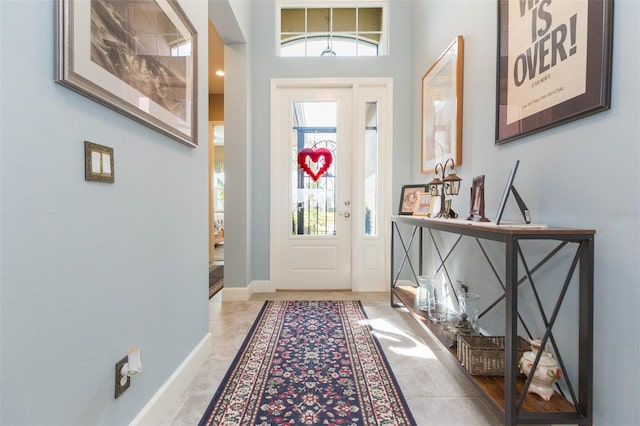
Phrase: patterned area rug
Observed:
(309, 363)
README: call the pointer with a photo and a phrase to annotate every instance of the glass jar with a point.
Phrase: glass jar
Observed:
(468, 303)
(423, 292)
(438, 294)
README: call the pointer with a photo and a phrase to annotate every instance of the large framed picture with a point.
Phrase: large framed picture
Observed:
(441, 134)
(554, 63)
(136, 57)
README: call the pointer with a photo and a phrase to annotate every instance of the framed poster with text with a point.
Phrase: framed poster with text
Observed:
(554, 63)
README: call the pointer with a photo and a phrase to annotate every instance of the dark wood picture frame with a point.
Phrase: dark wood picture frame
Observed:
(409, 197)
(553, 68)
(476, 209)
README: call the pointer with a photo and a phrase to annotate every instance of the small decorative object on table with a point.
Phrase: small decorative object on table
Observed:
(476, 212)
(468, 317)
(547, 371)
(463, 326)
(447, 185)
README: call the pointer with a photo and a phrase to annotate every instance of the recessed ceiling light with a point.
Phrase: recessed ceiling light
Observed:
(220, 73)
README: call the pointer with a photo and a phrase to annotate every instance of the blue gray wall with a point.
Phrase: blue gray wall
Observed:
(89, 270)
(582, 174)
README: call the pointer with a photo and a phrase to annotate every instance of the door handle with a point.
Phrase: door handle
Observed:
(346, 215)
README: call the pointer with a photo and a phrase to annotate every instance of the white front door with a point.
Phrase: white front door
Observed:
(327, 193)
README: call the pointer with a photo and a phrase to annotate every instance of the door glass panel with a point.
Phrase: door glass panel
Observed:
(371, 170)
(313, 168)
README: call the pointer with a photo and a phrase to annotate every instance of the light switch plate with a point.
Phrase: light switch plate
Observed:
(98, 163)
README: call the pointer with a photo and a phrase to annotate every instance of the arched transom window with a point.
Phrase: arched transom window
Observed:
(355, 29)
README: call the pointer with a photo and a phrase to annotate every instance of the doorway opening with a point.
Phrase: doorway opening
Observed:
(218, 194)
(216, 160)
(216, 208)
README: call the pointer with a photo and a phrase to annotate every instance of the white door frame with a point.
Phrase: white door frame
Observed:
(359, 278)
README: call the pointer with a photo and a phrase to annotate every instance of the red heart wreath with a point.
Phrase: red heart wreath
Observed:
(315, 154)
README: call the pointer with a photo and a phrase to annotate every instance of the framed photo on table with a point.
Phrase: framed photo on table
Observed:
(137, 57)
(441, 134)
(554, 64)
(476, 211)
(409, 198)
(424, 205)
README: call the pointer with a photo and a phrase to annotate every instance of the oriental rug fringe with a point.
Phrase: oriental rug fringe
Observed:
(309, 363)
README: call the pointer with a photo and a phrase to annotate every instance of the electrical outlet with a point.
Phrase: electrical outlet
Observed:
(121, 384)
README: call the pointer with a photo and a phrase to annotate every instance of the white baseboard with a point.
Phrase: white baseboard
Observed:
(265, 286)
(237, 294)
(244, 293)
(383, 287)
(262, 286)
(167, 396)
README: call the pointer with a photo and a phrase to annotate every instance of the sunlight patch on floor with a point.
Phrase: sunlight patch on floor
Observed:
(401, 343)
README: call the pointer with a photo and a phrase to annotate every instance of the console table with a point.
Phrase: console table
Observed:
(507, 393)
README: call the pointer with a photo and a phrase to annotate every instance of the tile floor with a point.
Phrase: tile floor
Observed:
(436, 391)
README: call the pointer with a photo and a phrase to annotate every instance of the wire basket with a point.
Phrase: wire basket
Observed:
(484, 355)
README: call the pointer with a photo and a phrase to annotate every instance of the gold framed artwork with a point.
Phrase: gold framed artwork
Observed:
(138, 58)
(441, 121)
(424, 205)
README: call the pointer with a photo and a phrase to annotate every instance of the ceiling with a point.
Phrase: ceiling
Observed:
(216, 61)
